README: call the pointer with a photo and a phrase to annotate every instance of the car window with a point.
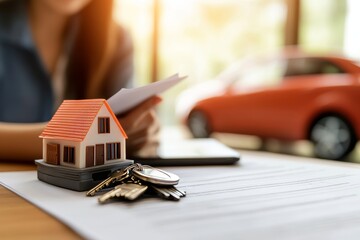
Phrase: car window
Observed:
(261, 73)
(310, 66)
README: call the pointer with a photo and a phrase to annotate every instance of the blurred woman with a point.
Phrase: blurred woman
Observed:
(51, 50)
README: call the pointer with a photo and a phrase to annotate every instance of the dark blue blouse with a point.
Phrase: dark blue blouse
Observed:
(26, 94)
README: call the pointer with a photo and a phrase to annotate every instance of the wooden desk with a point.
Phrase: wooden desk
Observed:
(20, 219)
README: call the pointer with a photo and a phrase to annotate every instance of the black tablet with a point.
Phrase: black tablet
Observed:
(189, 152)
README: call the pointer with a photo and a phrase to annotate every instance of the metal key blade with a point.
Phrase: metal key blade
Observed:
(177, 191)
(161, 192)
(134, 191)
(129, 191)
(170, 192)
(118, 175)
(100, 186)
(103, 198)
(167, 193)
(173, 194)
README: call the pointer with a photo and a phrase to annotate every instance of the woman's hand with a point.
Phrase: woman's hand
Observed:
(142, 126)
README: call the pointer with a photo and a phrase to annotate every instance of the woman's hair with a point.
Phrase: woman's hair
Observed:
(93, 50)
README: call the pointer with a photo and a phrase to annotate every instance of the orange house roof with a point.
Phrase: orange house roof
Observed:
(73, 119)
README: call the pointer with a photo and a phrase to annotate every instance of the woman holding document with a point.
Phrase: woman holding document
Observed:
(51, 50)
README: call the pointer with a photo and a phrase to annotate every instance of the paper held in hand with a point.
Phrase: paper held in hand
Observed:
(126, 99)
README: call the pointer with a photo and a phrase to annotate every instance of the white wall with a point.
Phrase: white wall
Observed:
(93, 137)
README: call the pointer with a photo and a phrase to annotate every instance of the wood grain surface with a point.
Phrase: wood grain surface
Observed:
(20, 219)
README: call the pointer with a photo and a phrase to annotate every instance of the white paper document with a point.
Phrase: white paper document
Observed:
(266, 196)
(126, 99)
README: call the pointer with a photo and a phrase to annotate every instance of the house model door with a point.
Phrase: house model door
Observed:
(90, 156)
(99, 154)
(53, 153)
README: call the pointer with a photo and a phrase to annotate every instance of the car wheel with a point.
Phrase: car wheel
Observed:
(198, 124)
(333, 137)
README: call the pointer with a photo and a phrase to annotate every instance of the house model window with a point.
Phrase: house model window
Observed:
(112, 151)
(69, 154)
(104, 125)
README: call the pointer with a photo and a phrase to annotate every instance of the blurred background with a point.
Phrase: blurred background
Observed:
(201, 38)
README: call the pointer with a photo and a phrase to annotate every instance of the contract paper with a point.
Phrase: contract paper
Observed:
(266, 196)
(126, 99)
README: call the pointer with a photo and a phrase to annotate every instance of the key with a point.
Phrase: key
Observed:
(129, 191)
(169, 192)
(118, 175)
(162, 182)
(103, 198)
(177, 191)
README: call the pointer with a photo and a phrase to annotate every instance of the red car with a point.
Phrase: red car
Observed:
(291, 96)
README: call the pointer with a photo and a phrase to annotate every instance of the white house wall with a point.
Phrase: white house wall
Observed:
(93, 137)
(62, 144)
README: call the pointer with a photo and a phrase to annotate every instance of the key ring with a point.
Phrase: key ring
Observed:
(135, 166)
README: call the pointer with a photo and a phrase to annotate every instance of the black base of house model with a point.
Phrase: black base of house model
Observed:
(75, 178)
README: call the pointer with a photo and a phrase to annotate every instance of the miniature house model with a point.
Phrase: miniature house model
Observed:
(82, 134)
